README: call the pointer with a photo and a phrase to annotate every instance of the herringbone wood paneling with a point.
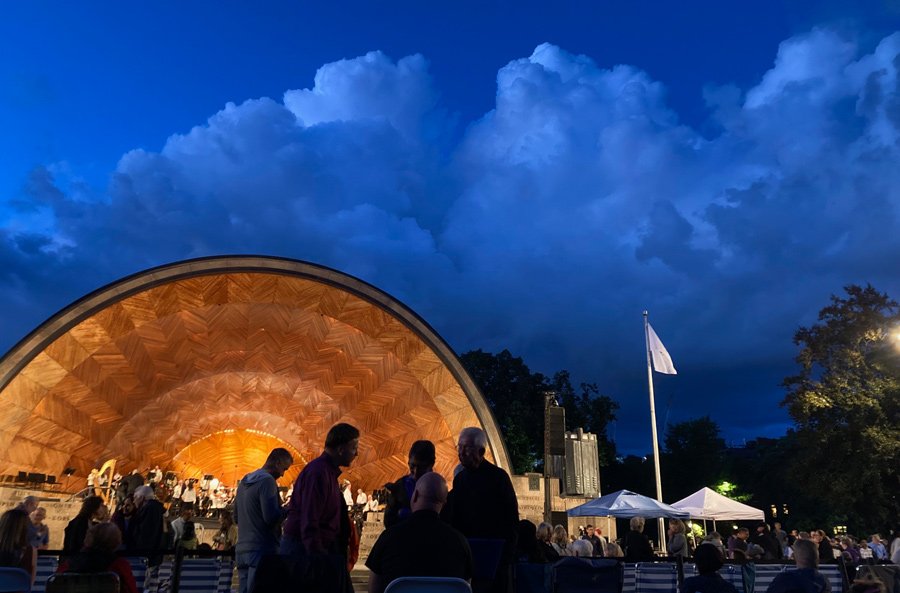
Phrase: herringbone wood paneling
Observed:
(206, 374)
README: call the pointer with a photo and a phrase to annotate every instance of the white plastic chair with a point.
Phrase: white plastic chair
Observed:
(428, 585)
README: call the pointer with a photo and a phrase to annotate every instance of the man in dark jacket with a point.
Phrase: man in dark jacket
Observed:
(421, 462)
(150, 528)
(258, 514)
(483, 504)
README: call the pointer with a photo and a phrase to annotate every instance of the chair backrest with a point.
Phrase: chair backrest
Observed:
(199, 575)
(14, 580)
(656, 577)
(583, 575)
(428, 585)
(534, 578)
(889, 574)
(46, 566)
(75, 582)
(226, 574)
(629, 580)
(486, 555)
(139, 570)
(835, 575)
(764, 575)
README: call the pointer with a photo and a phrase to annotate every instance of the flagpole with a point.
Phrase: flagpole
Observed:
(662, 532)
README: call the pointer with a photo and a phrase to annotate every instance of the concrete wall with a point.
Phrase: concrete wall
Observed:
(531, 494)
(59, 512)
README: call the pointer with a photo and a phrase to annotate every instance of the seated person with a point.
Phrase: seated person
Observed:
(807, 578)
(527, 547)
(15, 549)
(581, 548)
(422, 545)
(709, 560)
(99, 555)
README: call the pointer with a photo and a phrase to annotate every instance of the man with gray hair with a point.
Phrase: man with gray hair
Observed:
(149, 532)
(806, 579)
(483, 503)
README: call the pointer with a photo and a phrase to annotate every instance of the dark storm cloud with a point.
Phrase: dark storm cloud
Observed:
(545, 226)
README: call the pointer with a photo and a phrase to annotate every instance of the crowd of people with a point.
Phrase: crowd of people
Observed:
(309, 540)
(310, 545)
(94, 538)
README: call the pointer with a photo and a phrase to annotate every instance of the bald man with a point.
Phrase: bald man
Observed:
(422, 545)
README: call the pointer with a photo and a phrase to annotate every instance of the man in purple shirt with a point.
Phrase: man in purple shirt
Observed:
(317, 529)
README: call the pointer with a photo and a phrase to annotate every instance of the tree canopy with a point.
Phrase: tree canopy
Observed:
(845, 402)
(516, 396)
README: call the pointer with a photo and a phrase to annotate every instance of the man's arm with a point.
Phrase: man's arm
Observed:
(312, 494)
(271, 504)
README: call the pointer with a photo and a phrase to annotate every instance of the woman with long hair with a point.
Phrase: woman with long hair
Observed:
(15, 549)
(226, 538)
(77, 529)
(677, 543)
(560, 541)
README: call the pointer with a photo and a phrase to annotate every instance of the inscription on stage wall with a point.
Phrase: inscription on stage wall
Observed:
(531, 501)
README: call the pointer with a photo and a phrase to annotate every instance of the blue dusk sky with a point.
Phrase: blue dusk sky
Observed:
(523, 175)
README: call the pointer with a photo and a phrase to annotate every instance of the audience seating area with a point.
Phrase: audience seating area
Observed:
(602, 576)
(197, 575)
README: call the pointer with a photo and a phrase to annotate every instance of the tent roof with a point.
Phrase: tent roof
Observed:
(625, 504)
(709, 504)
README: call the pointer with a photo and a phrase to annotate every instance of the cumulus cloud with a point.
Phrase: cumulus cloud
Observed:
(545, 226)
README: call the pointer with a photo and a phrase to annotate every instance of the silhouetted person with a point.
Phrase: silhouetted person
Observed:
(806, 579)
(483, 503)
(421, 545)
(258, 514)
(317, 527)
(421, 461)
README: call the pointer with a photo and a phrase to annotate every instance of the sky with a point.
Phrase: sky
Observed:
(524, 175)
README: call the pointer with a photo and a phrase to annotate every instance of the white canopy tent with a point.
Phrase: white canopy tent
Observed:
(707, 504)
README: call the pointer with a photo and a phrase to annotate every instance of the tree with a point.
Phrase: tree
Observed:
(845, 402)
(694, 457)
(516, 396)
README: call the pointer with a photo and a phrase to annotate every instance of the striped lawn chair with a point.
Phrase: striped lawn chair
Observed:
(629, 584)
(729, 572)
(46, 566)
(656, 577)
(765, 574)
(732, 574)
(139, 570)
(226, 574)
(834, 574)
(199, 575)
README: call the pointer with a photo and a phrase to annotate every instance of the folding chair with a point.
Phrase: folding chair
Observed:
(428, 585)
(587, 575)
(75, 582)
(199, 575)
(656, 577)
(46, 568)
(14, 580)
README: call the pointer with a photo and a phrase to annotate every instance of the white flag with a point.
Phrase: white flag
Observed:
(662, 362)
